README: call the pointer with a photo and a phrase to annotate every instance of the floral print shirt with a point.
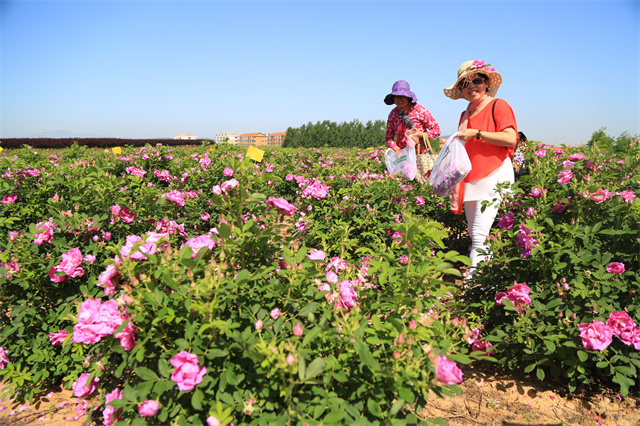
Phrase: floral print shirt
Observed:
(422, 121)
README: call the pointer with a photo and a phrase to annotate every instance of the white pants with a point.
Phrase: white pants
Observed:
(479, 226)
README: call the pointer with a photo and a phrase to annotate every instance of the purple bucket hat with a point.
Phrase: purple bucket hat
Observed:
(400, 88)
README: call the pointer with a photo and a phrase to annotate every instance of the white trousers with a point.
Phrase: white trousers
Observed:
(479, 226)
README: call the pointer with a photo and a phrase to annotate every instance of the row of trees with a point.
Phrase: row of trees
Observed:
(605, 142)
(330, 134)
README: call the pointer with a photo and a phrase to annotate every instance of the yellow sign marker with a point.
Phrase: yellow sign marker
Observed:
(255, 153)
(116, 150)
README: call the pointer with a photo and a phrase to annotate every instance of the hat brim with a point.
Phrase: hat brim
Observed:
(407, 94)
(495, 80)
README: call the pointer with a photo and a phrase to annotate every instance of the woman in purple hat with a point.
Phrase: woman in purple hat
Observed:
(408, 115)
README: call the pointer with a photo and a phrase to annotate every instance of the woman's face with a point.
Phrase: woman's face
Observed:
(473, 88)
(402, 102)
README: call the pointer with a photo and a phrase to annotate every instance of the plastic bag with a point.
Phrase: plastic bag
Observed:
(404, 162)
(451, 166)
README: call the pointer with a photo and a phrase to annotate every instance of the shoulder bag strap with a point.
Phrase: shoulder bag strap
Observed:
(493, 110)
(406, 119)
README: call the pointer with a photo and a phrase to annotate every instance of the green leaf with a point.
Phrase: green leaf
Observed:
(583, 356)
(396, 407)
(366, 357)
(334, 416)
(529, 368)
(146, 373)
(551, 347)
(540, 374)
(316, 367)
(196, 399)
(374, 408)
(302, 368)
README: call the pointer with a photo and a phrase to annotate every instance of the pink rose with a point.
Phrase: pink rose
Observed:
(83, 387)
(404, 260)
(565, 176)
(536, 193)
(577, 157)
(226, 186)
(110, 415)
(216, 190)
(332, 277)
(228, 172)
(600, 196)
(541, 153)
(615, 268)
(3, 358)
(109, 279)
(315, 254)
(176, 197)
(479, 63)
(197, 243)
(127, 215)
(149, 408)
(596, 335)
(297, 330)
(259, 325)
(9, 199)
(213, 421)
(275, 313)
(58, 337)
(622, 326)
(482, 346)
(348, 295)
(282, 205)
(628, 195)
(506, 221)
(447, 371)
(518, 294)
(187, 373)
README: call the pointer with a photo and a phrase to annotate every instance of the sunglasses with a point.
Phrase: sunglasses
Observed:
(466, 83)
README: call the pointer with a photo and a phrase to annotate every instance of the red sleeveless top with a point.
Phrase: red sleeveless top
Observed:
(486, 157)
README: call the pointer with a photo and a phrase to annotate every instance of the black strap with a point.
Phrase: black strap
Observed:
(406, 119)
(493, 109)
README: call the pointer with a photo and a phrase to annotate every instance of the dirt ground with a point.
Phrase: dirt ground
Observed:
(494, 399)
(488, 398)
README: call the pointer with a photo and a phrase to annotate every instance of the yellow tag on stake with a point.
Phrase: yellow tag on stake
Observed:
(255, 153)
(116, 150)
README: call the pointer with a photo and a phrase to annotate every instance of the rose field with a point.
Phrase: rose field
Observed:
(215, 285)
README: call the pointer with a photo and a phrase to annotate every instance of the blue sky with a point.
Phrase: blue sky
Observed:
(151, 69)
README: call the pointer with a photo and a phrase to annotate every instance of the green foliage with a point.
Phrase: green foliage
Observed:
(369, 363)
(329, 134)
(578, 234)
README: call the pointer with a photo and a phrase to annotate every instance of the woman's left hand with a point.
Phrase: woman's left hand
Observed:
(467, 134)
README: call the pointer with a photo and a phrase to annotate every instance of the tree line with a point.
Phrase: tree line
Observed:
(331, 134)
(604, 142)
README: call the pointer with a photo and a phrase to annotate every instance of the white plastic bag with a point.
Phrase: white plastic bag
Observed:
(404, 162)
(451, 166)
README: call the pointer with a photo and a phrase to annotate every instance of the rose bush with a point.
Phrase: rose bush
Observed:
(571, 232)
(205, 296)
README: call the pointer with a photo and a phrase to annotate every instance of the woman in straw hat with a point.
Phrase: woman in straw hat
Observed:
(488, 126)
(407, 115)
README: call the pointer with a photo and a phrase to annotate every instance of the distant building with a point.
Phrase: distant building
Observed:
(276, 138)
(232, 138)
(185, 136)
(256, 139)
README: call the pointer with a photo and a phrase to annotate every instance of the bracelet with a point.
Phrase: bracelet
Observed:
(479, 135)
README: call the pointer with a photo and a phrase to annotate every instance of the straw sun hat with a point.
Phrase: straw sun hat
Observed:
(467, 70)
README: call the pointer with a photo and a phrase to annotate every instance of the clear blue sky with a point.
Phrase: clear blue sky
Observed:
(151, 69)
